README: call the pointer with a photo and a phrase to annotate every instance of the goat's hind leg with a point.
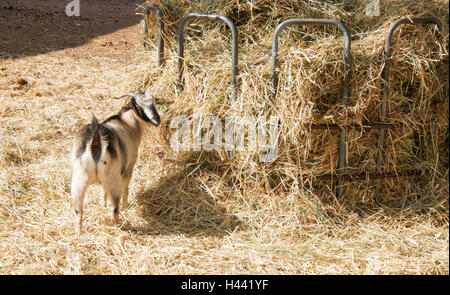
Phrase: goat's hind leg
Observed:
(105, 198)
(80, 182)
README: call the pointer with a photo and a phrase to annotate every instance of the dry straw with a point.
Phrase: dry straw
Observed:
(311, 71)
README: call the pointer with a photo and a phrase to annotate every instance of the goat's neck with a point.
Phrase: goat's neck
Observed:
(134, 124)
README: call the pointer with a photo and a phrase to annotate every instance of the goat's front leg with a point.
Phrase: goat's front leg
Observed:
(125, 196)
(80, 182)
(126, 182)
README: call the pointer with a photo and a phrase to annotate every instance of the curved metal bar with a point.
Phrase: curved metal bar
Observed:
(234, 57)
(313, 21)
(387, 56)
(348, 63)
(159, 13)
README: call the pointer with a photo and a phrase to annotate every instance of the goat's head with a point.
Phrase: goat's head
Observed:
(144, 104)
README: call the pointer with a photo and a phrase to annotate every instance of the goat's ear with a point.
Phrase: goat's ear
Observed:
(153, 98)
(149, 96)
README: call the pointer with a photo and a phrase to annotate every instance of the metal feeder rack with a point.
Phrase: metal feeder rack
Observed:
(341, 173)
(234, 44)
(159, 13)
(348, 64)
(387, 57)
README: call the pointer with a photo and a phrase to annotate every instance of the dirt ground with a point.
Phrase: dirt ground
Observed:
(55, 71)
(51, 68)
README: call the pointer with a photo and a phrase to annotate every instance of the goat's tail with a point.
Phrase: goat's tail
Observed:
(96, 145)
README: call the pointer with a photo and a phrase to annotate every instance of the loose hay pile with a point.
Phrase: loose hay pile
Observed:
(310, 73)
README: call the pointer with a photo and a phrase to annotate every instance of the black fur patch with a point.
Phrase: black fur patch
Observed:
(155, 113)
(96, 133)
(109, 136)
(96, 146)
(86, 135)
(114, 117)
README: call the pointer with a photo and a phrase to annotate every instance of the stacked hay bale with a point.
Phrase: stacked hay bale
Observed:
(311, 69)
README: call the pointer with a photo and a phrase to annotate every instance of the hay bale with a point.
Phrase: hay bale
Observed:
(311, 70)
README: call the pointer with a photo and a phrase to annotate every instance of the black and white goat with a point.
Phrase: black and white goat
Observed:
(105, 153)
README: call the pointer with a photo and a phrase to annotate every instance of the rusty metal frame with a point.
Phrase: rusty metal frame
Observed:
(377, 125)
(346, 80)
(234, 58)
(159, 14)
(387, 57)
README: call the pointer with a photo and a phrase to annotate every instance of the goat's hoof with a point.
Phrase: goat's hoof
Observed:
(115, 221)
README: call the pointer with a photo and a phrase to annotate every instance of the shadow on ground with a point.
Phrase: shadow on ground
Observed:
(181, 203)
(29, 27)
